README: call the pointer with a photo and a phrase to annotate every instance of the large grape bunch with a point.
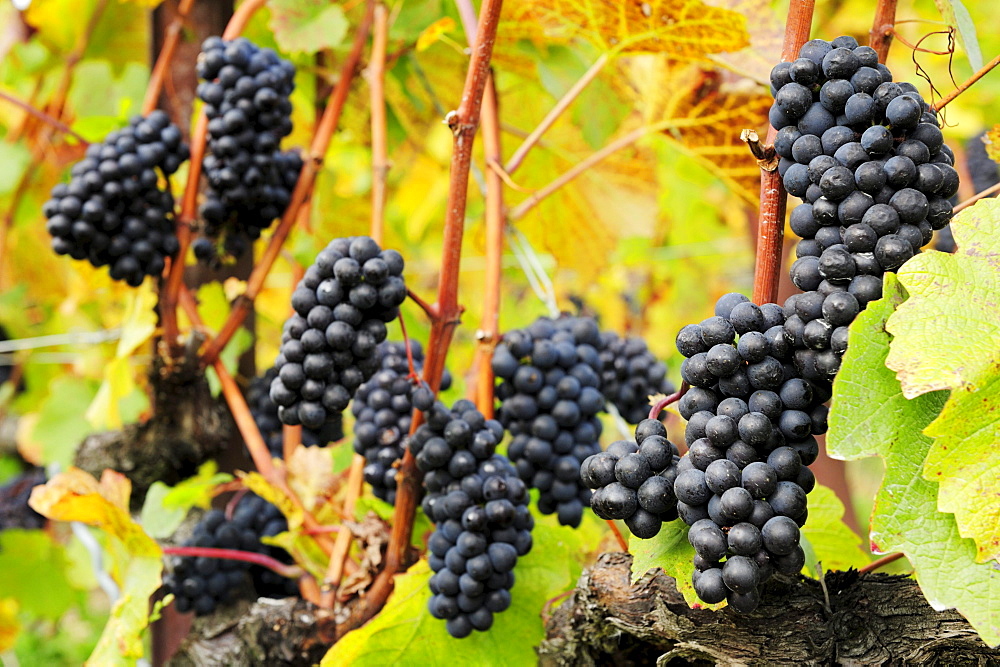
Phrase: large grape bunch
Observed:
(633, 481)
(265, 414)
(329, 344)
(868, 159)
(549, 391)
(114, 211)
(246, 92)
(201, 584)
(630, 374)
(751, 422)
(480, 509)
(383, 408)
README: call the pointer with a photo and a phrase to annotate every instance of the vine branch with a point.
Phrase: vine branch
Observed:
(276, 566)
(880, 36)
(42, 116)
(314, 160)
(965, 85)
(376, 84)
(165, 57)
(773, 198)
(881, 562)
(463, 123)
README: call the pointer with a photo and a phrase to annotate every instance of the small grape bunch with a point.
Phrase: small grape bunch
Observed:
(329, 345)
(630, 374)
(633, 481)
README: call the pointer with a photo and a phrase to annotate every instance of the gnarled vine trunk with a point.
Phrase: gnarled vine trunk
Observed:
(874, 619)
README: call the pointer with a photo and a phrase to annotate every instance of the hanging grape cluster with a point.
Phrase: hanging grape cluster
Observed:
(867, 157)
(328, 348)
(246, 92)
(116, 211)
(265, 415)
(630, 374)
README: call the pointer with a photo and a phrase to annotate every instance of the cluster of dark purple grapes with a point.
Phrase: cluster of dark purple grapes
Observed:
(550, 393)
(114, 212)
(383, 409)
(867, 157)
(265, 414)
(15, 512)
(329, 345)
(201, 584)
(246, 92)
(633, 481)
(629, 374)
(751, 424)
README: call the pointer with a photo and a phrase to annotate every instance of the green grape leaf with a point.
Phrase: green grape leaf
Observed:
(669, 550)
(955, 14)
(871, 416)
(834, 545)
(947, 334)
(405, 633)
(307, 26)
(35, 571)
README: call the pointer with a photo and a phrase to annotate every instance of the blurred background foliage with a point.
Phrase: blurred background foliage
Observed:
(646, 240)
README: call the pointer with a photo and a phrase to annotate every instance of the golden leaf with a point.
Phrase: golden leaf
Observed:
(992, 141)
(434, 32)
(682, 29)
(310, 474)
(10, 626)
(766, 34)
(256, 483)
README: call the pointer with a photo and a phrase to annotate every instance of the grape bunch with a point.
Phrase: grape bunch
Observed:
(265, 414)
(328, 348)
(630, 374)
(246, 92)
(751, 424)
(114, 212)
(633, 481)
(15, 512)
(867, 157)
(550, 393)
(481, 528)
(383, 408)
(449, 447)
(201, 584)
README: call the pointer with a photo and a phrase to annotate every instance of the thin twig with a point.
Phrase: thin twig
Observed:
(42, 116)
(993, 189)
(463, 124)
(964, 86)
(521, 209)
(430, 309)
(166, 56)
(773, 198)
(654, 412)
(291, 437)
(170, 288)
(876, 564)
(335, 569)
(274, 565)
(550, 118)
(880, 36)
(618, 535)
(376, 84)
(314, 160)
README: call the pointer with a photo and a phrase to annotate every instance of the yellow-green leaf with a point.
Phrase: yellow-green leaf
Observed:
(307, 26)
(434, 32)
(834, 545)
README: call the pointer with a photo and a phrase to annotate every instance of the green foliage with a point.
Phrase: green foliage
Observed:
(871, 416)
(832, 543)
(670, 551)
(405, 633)
(34, 573)
(307, 26)
(956, 15)
(165, 507)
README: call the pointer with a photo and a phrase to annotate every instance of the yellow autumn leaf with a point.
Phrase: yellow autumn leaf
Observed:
(434, 32)
(310, 474)
(682, 29)
(992, 141)
(10, 627)
(135, 558)
(259, 485)
(118, 383)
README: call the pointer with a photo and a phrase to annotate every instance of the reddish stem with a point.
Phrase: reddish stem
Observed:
(965, 85)
(430, 309)
(880, 36)
(276, 566)
(376, 83)
(409, 352)
(618, 535)
(335, 568)
(42, 116)
(463, 124)
(654, 412)
(163, 60)
(291, 437)
(771, 223)
(876, 564)
(321, 142)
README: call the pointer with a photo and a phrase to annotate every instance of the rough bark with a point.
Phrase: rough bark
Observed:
(188, 427)
(875, 619)
(278, 633)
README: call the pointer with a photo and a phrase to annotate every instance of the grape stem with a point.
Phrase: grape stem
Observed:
(463, 124)
(654, 412)
(376, 84)
(276, 566)
(42, 116)
(618, 535)
(335, 568)
(166, 55)
(430, 309)
(880, 36)
(976, 197)
(313, 161)
(773, 198)
(965, 85)
(170, 288)
(876, 564)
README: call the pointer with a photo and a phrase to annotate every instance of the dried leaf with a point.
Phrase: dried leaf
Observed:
(310, 474)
